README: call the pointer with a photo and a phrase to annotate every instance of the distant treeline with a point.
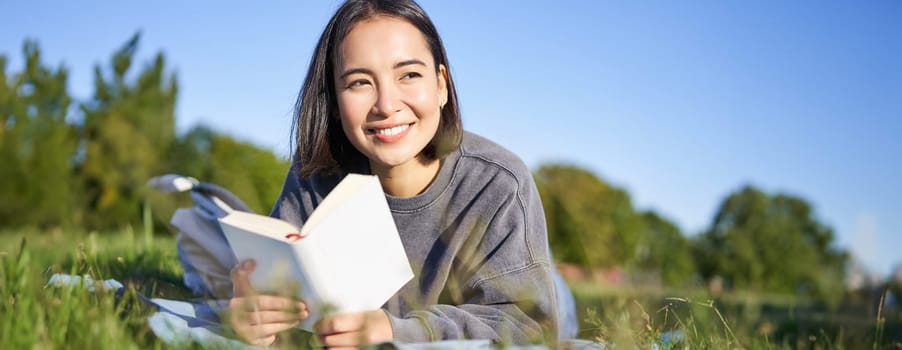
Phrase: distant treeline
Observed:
(66, 163)
(756, 241)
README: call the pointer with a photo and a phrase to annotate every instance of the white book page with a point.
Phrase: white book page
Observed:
(260, 224)
(347, 188)
(360, 259)
(277, 265)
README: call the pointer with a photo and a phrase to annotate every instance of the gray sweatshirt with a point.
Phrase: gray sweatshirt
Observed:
(477, 242)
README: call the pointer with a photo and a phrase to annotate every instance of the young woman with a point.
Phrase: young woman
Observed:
(378, 98)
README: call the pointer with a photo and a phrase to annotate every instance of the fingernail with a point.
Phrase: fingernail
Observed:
(247, 264)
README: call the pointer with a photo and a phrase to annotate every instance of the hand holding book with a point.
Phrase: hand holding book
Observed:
(258, 318)
(346, 258)
(354, 329)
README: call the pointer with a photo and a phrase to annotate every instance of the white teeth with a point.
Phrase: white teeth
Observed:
(392, 131)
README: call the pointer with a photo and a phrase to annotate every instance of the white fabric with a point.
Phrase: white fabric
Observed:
(60, 280)
(174, 330)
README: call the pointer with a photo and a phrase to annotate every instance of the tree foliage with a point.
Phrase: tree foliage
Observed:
(664, 250)
(127, 132)
(253, 174)
(38, 145)
(771, 243)
(589, 221)
(88, 166)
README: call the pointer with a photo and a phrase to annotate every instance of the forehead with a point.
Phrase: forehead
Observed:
(383, 40)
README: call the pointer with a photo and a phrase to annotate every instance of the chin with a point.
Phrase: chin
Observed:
(391, 163)
(393, 160)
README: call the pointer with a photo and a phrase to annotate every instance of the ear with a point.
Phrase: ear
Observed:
(442, 85)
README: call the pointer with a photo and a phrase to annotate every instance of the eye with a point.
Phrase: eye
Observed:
(410, 75)
(357, 83)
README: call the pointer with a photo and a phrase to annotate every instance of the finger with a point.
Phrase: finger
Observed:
(273, 303)
(245, 311)
(340, 323)
(244, 304)
(262, 303)
(240, 311)
(264, 317)
(241, 284)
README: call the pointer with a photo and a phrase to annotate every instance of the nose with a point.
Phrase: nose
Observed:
(388, 101)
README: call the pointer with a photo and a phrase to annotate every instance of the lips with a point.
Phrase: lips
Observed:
(391, 131)
(390, 134)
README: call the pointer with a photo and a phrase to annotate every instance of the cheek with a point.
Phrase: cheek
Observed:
(351, 110)
(424, 99)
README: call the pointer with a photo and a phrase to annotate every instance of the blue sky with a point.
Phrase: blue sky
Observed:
(680, 103)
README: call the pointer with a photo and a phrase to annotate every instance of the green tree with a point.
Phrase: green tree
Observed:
(128, 129)
(665, 251)
(590, 222)
(254, 174)
(772, 244)
(93, 172)
(38, 145)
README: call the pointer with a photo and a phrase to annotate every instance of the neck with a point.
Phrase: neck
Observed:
(407, 180)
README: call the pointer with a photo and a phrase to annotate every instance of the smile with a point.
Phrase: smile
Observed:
(390, 131)
(392, 134)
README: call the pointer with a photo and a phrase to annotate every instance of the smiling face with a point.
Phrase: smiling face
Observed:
(389, 92)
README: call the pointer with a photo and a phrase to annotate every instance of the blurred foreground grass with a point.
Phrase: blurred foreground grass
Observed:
(33, 315)
(737, 320)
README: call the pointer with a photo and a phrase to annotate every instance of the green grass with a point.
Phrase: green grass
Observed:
(730, 321)
(33, 315)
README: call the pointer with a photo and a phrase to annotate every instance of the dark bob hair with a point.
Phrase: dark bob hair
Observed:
(321, 145)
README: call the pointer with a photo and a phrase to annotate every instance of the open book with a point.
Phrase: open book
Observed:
(347, 257)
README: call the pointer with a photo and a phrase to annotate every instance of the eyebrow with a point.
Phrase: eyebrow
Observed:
(401, 64)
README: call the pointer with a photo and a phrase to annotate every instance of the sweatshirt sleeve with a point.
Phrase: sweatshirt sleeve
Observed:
(494, 314)
(506, 290)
